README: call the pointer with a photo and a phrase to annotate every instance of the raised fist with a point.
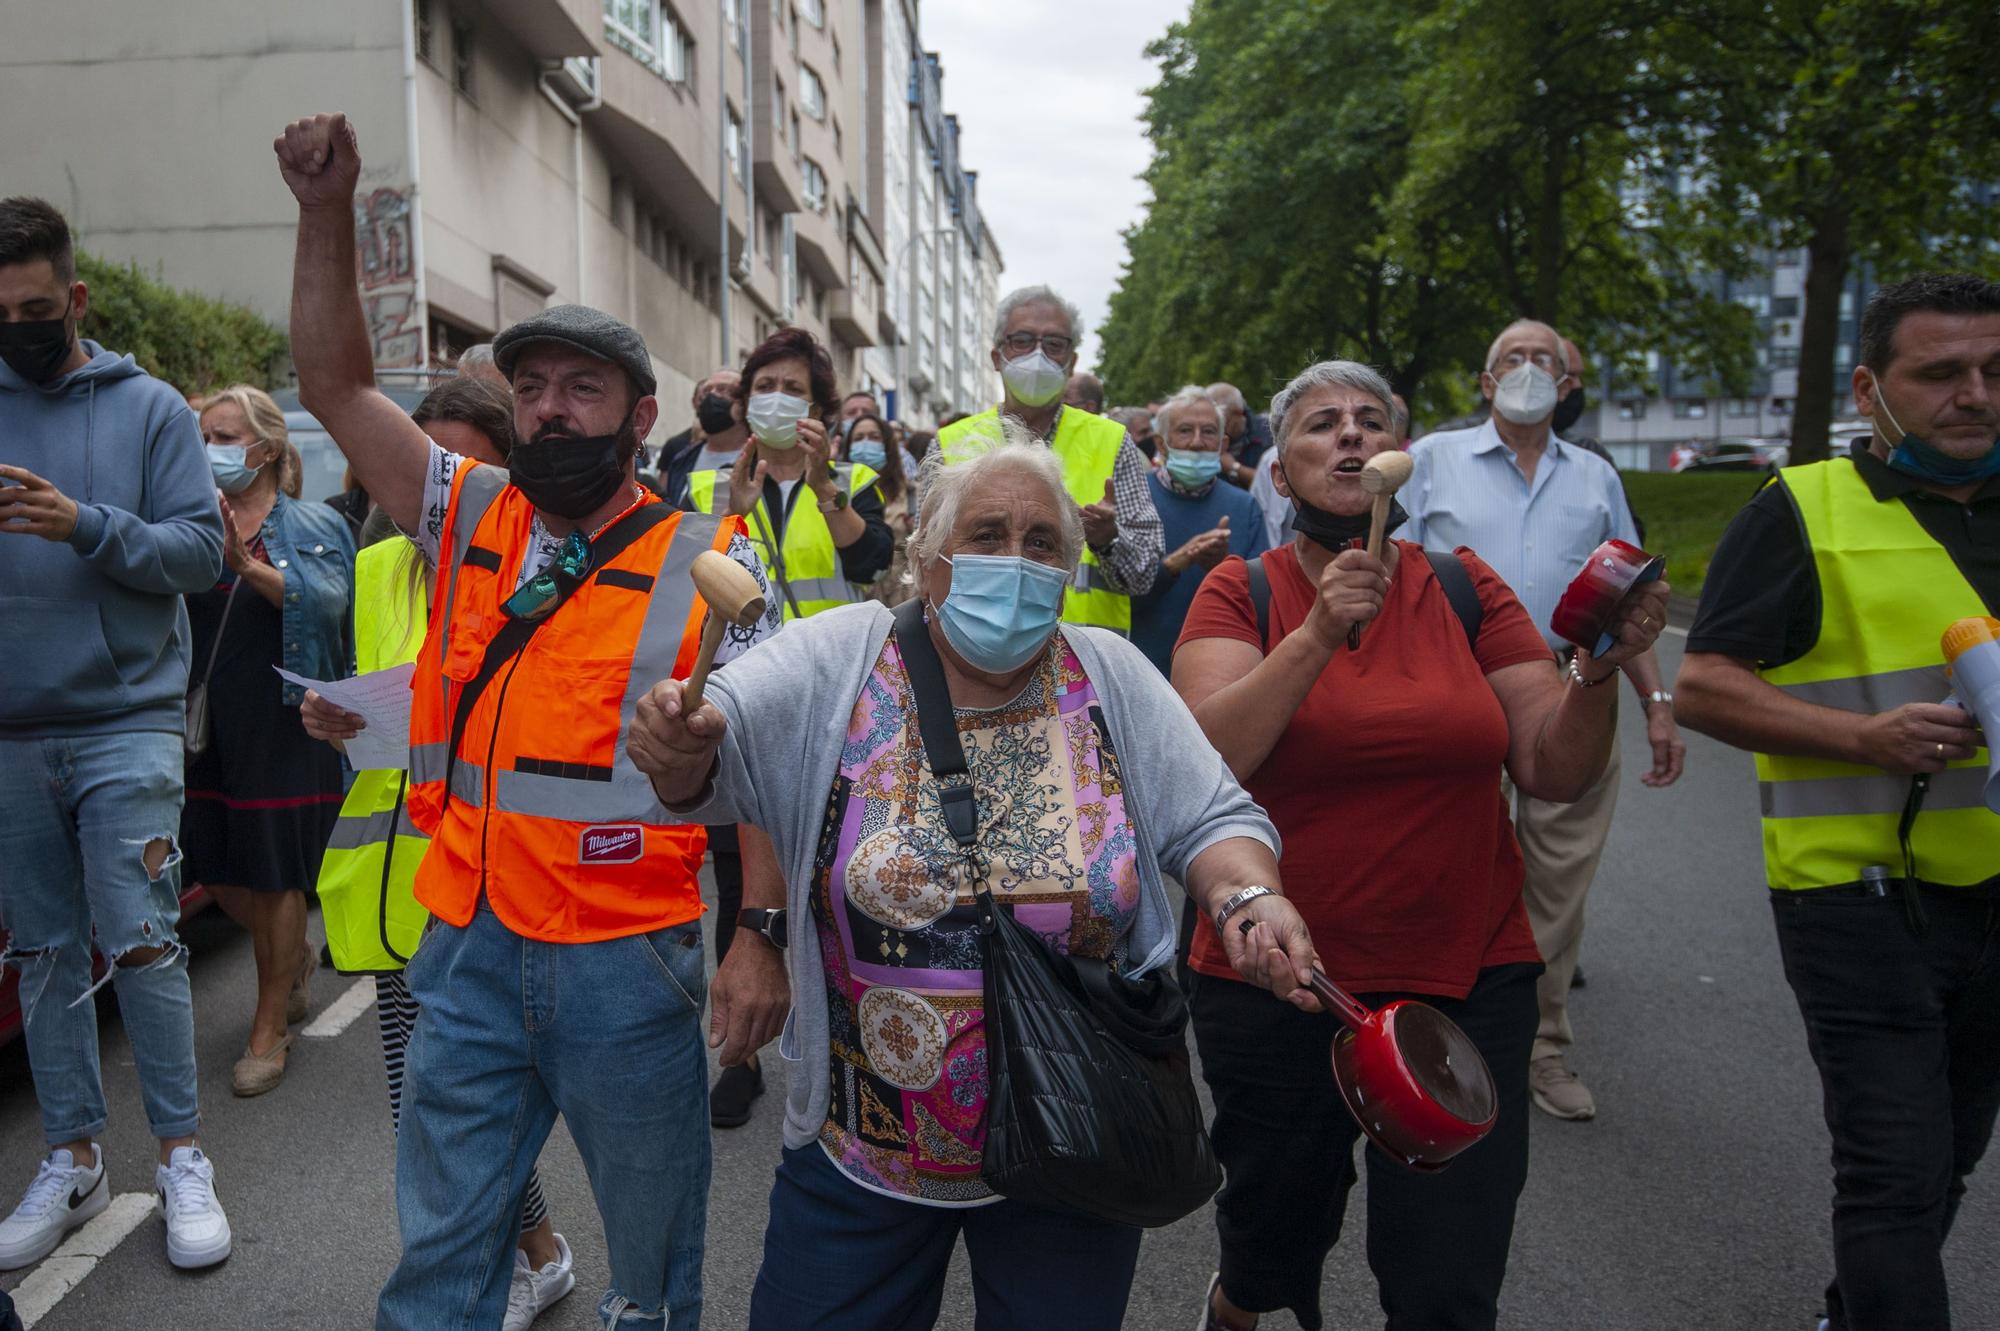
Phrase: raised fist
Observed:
(320, 161)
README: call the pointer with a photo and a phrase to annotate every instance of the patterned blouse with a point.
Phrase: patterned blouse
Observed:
(897, 923)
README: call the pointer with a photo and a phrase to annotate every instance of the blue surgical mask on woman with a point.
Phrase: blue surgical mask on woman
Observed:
(868, 452)
(1001, 609)
(233, 473)
(1193, 467)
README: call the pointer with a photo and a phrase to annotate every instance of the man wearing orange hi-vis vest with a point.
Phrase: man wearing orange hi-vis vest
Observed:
(564, 971)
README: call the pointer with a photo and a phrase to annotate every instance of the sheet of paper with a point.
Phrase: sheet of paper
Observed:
(381, 698)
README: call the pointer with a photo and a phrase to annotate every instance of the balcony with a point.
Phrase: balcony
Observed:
(853, 316)
(551, 29)
(821, 248)
(778, 183)
(670, 140)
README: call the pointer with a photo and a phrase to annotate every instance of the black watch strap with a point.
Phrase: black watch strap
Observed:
(770, 923)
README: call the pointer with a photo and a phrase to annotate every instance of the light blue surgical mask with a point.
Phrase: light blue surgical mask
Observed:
(868, 452)
(233, 475)
(1001, 609)
(774, 418)
(1193, 467)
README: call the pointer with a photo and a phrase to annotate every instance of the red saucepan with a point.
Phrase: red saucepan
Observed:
(1585, 611)
(1413, 1080)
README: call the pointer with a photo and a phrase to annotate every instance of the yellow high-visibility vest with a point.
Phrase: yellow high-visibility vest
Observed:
(1088, 447)
(806, 557)
(373, 921)
(1887, 591)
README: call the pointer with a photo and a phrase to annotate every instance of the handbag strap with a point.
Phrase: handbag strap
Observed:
(937, 723)
(513, 636)
(215, 648)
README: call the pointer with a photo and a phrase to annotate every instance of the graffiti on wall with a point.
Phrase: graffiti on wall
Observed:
(387, 273)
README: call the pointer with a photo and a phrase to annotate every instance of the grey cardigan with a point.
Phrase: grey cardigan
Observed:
(791, 697)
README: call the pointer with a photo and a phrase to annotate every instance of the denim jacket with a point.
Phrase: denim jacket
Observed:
(311, 545)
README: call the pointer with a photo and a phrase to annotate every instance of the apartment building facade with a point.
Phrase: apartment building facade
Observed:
(706, 170)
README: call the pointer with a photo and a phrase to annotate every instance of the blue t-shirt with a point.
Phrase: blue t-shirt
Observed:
(1157, 614)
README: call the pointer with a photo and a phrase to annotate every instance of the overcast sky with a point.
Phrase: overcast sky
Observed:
(1048, 95)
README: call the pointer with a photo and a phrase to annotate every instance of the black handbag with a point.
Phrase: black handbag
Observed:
(1091, 1105)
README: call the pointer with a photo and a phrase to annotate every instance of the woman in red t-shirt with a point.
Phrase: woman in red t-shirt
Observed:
(1381, 767)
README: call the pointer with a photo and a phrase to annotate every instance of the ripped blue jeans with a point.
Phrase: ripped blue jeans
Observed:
(87, 853)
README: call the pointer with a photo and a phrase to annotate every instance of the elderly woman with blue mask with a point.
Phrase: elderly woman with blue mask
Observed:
(1205, 523)
(1092, 782)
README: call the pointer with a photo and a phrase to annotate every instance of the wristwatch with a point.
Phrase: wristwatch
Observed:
(1659, 695)
(835, 504)
(770, 923)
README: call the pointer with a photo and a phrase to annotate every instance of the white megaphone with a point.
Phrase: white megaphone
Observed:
(1972, 660)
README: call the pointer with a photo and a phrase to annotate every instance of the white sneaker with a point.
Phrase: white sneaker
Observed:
(197, 1230)
(63, 1196)
(534, 1292)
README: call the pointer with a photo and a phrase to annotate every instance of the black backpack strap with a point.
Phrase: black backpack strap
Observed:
(1458, 590)
(1260, 598)
(937, 723)
(513, 636)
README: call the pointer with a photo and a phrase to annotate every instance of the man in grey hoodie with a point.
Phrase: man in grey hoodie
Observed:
(107, 515)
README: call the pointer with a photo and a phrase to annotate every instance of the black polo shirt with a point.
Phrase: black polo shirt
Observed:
(1761, 602)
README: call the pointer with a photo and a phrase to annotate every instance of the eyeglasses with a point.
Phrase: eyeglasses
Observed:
(537, 596)
(1020, 344)
(1547, 360)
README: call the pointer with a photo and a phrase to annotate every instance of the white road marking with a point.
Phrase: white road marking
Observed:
(64, 1269)
(340, 1013)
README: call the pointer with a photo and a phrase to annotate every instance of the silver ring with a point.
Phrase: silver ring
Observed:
(1940, 752)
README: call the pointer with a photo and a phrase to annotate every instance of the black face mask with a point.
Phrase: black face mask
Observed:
(35, 349)
(1567, 411)
(1335, 531)
(715, 413)
(571, 476)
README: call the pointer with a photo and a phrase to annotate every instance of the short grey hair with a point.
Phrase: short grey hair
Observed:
(1192, 395)
(479, 357)
(952, 471)
(1225, 395)
(1493, 351)
(1035, 295)
(1328, 374)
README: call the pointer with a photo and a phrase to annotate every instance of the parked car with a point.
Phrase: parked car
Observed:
(1681, 455)
(324, 468)
(194, 898)
(1764, 455)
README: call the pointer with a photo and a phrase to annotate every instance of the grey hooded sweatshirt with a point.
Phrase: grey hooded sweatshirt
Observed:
(93, 634)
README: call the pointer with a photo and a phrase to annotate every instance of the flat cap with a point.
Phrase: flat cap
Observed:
(585, 329)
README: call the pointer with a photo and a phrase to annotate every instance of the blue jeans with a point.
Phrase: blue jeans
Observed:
(838, 1257)
(80, 816)
(510, 1032)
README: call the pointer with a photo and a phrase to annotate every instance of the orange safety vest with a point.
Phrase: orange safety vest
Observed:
(547, 815)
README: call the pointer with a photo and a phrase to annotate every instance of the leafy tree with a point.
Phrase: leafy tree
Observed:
(191, 341)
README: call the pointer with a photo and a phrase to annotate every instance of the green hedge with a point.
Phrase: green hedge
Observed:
(1685, 516)
(191, 341)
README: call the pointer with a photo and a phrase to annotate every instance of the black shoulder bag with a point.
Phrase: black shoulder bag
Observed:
(1091, 1107)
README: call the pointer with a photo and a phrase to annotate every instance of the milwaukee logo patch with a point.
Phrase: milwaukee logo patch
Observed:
(619, 843)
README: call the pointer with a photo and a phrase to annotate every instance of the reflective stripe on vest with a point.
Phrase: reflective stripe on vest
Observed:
(547, 817)
(811, 561)
(1088, 448)
(1887, 591)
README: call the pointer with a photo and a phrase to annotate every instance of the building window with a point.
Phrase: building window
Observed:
(838, 151)
(732, 18)
(461, 59)
(1784, 358)
(1781, 406)
(798, 143)
(812, 94)
(651, 33)
(1784, 307)
(814, 12)
(426, 33)
(733, 141)
(1690, 409)
(1740, 407)
(815, 181)
(778, 105)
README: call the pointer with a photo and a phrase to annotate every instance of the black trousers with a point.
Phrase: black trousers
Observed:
(1437, 1243)
(725, 856)
(1905, 1031)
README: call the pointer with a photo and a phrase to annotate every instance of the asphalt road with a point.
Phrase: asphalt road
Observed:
(1698, 1198)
